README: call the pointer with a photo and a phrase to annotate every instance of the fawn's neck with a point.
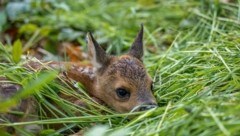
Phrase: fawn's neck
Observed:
(83, 74)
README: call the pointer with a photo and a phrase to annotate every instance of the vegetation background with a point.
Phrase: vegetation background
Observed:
(192, 51)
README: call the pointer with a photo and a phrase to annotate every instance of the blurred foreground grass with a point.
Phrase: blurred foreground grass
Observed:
(192, 51)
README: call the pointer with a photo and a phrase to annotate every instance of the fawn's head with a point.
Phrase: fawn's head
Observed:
(122, 81)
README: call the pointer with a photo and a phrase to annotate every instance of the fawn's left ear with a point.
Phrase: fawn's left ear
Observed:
(97, 55)
(137, 46)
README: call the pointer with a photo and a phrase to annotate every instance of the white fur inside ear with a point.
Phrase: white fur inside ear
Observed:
(95, 53)
(94, 59)
(96, 64)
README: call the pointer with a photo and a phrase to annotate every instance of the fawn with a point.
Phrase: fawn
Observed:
(121, 82)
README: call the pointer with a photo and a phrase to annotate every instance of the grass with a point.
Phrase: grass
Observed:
(191, 51)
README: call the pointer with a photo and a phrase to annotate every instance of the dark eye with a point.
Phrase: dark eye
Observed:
(122, 93)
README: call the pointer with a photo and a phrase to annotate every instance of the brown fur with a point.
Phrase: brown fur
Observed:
(124, 72)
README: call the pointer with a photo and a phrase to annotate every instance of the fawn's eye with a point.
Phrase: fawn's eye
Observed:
(122, 93)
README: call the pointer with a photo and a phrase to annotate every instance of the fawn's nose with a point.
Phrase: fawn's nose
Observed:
(147, 106)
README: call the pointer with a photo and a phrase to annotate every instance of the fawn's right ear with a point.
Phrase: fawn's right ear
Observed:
(137, 46)
(97, 55)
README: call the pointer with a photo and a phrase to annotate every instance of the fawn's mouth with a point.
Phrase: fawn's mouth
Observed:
(144, 107)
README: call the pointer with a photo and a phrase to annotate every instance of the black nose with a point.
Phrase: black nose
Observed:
(148, 106)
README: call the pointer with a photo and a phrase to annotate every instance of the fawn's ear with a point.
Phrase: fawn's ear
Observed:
(137, 46)
(97, 55)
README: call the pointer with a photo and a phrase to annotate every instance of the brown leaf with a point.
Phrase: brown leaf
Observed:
(73, 51)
